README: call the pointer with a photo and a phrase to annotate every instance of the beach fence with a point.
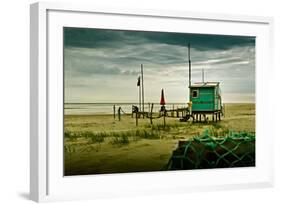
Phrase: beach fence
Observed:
(150, 111)
(237, 149)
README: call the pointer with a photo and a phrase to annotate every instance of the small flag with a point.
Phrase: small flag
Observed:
(138, 83)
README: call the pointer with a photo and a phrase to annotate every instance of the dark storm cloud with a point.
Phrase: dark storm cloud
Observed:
(198, 41)
(99, 38)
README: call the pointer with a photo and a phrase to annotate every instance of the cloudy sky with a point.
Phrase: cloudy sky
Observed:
(103, 65)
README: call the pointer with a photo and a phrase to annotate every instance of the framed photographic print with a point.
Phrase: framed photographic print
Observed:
(127, 102)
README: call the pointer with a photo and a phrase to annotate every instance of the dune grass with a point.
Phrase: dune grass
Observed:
(154, 131)
(114, 137)
(157, 131)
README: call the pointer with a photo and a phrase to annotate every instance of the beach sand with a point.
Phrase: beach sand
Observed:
(128, 153)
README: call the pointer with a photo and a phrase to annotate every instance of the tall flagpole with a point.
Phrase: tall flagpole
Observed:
(142, 90)
(139, 94)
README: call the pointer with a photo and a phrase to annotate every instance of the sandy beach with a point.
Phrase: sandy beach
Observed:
(98, 144)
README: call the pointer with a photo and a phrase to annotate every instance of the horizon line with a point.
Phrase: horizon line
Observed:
(147, 102)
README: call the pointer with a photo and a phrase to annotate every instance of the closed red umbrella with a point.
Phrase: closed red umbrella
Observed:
(162, 100)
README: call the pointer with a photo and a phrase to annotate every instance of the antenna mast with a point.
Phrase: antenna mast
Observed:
(189, 66)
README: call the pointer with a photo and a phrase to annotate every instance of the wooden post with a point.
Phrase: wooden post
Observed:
(216, 116)
(219, 116)
(164, 116)
(119, 113)
(200, 117)
(173, 110)
(177, 112)
(114, 111)
(213, 117)
(151, 111)
(137, 113)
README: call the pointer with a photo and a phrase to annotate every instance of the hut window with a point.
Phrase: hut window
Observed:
(195, 93)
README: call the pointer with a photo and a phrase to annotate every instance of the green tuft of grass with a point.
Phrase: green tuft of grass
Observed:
(120, 139)
(95, 137)
(71, 136)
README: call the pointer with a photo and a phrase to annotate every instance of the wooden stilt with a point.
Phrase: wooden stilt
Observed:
(114, 111)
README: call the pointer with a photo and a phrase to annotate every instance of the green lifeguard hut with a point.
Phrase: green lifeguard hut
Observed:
(204, 98)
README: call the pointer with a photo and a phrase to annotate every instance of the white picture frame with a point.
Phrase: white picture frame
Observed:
(47, 182)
